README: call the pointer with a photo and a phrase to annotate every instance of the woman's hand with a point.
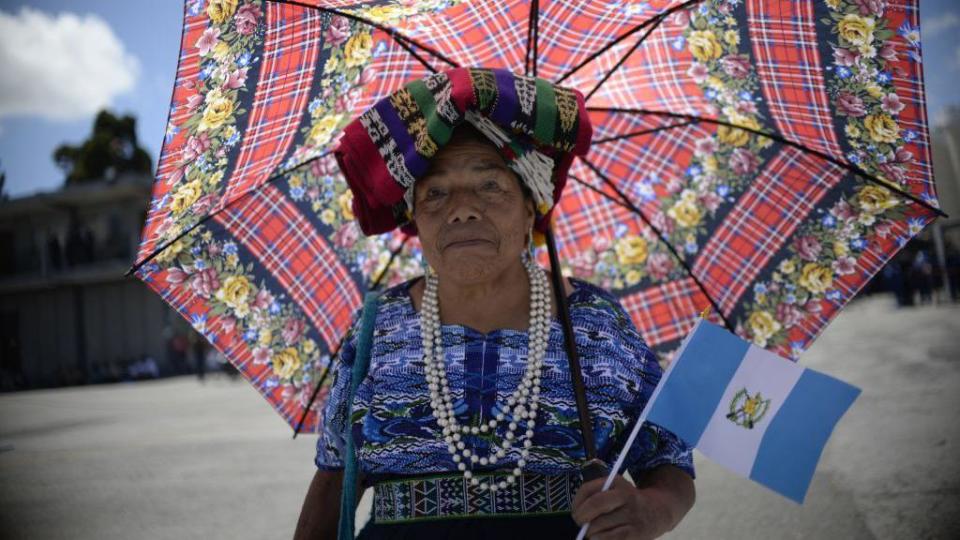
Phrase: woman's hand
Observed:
(649, 510)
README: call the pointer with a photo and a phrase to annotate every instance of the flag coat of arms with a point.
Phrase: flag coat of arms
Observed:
(760, 415)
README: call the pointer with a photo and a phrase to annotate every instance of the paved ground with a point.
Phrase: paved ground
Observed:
(176, 459)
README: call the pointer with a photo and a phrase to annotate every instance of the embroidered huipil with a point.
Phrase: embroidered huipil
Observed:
(393, 427)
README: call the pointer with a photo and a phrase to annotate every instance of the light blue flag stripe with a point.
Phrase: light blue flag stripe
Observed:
(795, 438)
(694, 386)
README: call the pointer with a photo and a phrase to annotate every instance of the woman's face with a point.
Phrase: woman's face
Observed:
(470, 211)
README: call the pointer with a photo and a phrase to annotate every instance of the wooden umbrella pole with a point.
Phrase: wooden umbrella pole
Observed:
(592, 467)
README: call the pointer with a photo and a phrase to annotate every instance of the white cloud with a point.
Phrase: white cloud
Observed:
(933, 27)
(60, 67)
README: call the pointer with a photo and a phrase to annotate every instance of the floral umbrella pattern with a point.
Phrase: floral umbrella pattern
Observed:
(763, 157)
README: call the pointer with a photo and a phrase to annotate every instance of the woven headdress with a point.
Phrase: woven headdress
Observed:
(537, 126)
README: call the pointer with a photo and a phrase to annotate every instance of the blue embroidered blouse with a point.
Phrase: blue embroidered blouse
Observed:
(396, 435)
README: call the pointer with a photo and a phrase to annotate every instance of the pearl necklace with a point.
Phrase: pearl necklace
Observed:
(521, 406)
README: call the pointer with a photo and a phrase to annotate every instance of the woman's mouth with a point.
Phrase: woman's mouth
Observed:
(468, 243)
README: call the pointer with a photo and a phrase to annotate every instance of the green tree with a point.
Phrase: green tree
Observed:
(3, 183)
(110, 150)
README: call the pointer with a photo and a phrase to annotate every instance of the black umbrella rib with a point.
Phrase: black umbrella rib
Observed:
(643, 132)
(536, 36)
(532, 23)
(783, 140)
(316, 389)
(405, 46)
(402, 40)
(627, 203)
(336, 350)
(655, 23)
(202, 220)
(653, 20)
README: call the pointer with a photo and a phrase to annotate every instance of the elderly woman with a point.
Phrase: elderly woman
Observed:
(465, 422)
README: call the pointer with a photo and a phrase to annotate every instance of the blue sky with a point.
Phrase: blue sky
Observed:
(149, 33)
(143, 36)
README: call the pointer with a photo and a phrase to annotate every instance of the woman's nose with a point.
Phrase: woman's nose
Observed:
(464, 206)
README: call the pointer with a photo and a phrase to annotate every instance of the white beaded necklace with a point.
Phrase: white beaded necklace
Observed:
(521, 405)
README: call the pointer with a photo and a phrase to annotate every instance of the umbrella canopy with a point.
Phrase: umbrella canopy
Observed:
(762, 157)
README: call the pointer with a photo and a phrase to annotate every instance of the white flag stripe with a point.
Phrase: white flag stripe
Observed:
(734, 445)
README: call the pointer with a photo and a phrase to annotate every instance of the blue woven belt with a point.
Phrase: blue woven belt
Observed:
(452, 497)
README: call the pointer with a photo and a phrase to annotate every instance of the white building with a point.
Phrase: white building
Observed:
(67, 313)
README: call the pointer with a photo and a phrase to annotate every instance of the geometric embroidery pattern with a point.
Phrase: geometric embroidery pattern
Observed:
(452, 497)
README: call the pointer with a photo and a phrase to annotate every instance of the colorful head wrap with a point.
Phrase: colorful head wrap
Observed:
(537, 126)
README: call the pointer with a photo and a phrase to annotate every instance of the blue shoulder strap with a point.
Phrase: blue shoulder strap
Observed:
(361, 363)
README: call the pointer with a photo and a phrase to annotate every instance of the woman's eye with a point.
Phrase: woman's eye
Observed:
(434, 193)
(491, 185)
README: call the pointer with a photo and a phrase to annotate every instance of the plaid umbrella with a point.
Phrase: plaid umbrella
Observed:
(763, 157)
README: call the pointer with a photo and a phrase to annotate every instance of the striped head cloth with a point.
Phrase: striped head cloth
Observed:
(537, 126)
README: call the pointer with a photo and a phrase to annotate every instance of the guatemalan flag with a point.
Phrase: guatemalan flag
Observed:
(748, 409)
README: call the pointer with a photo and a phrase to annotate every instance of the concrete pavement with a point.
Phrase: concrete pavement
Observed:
(177, 459)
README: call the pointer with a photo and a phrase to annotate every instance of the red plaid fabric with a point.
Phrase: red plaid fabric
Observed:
(290, 54)
(763, 157)
(491, 44)
(387, 72)
(169, 167)
(666, 309)
(659, 159)
(766, 216)
(653, 76)
(784, 38)
(300, 259)
(907, 79)
(612, 125)
(572, 31)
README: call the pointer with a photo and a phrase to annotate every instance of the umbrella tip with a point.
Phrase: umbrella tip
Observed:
(705, 313)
